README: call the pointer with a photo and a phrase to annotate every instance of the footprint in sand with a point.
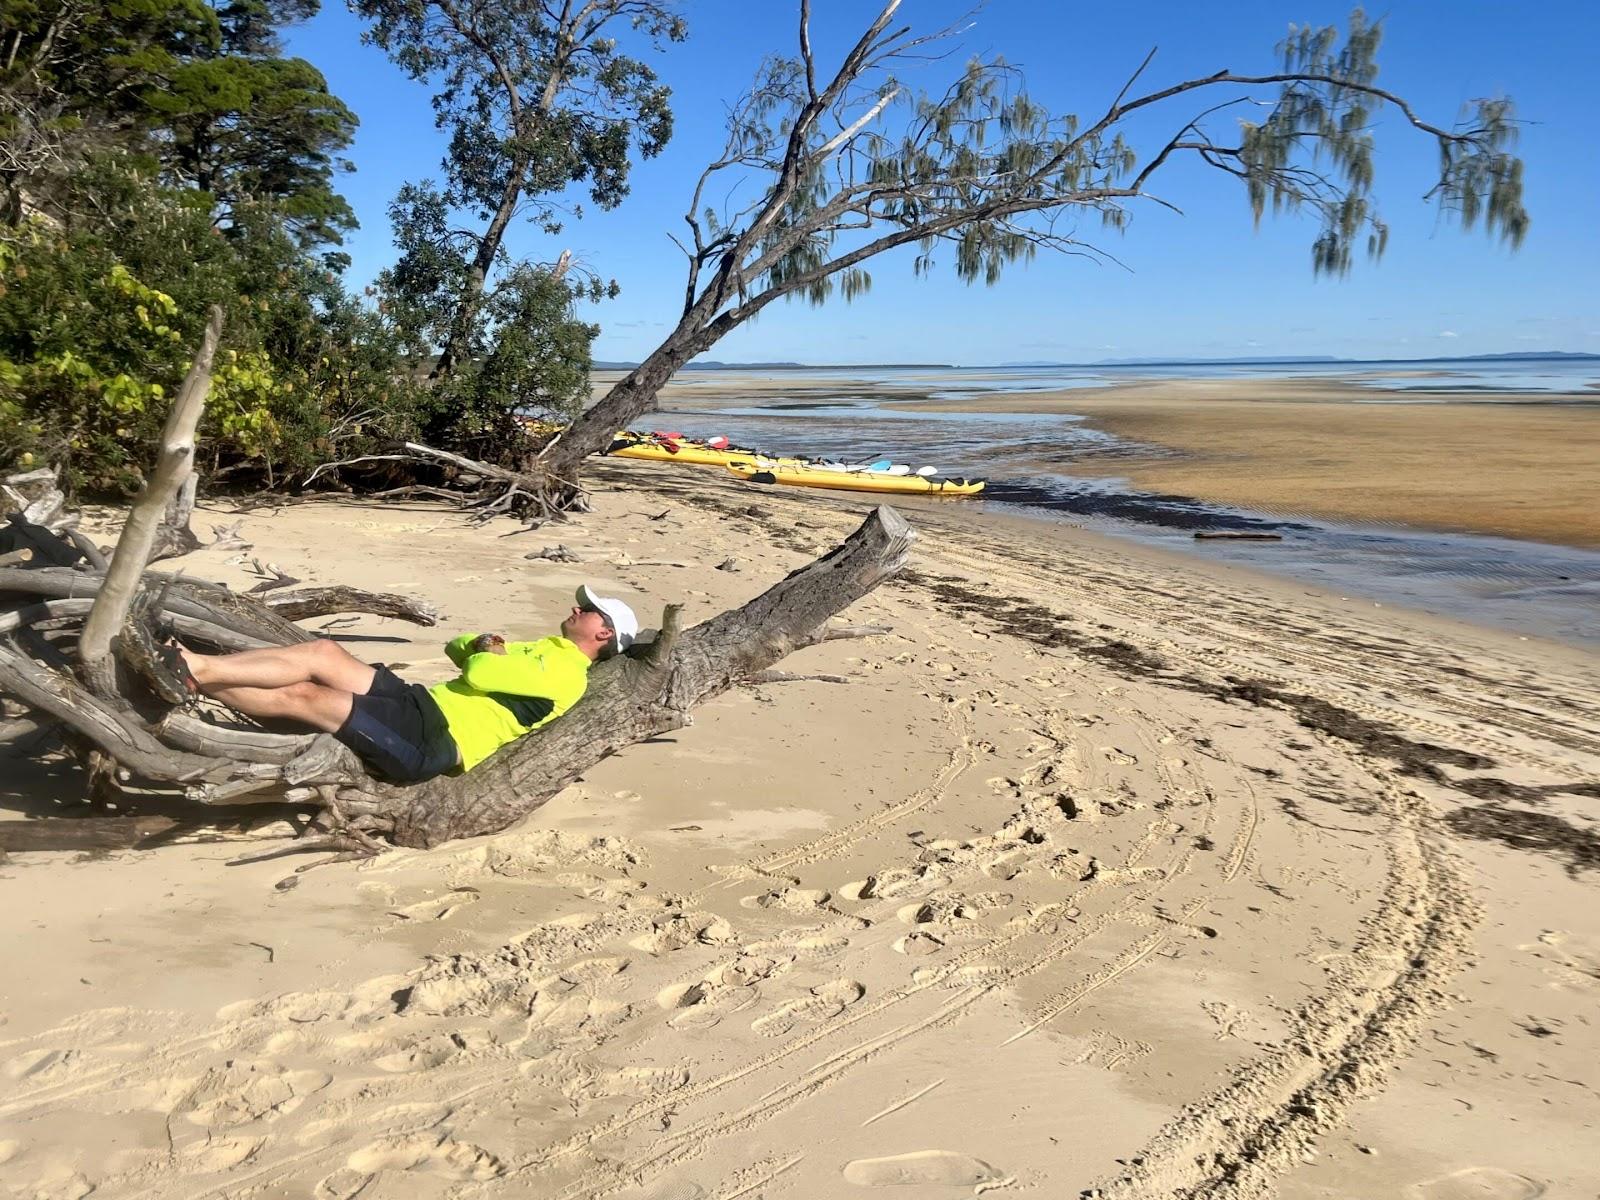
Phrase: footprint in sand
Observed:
(948, 910)
(342, 1117)
(725, 990)
(244, 1091)
(674, 931)
(638, 1082)
(896, 881)
(221, 1154)
(435, 1154)
(789, 899)
(299, 1007)
(437, 908)
(918, 945)
(825, 1002)
(427, 1053)
(926, 1168)
(1571, 961)
(1477, 1183)
(666, 1189)
(41, 1066)
(343, 1184)
(593, 887)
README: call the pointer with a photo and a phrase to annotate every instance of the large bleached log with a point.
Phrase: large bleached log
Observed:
(145, 520)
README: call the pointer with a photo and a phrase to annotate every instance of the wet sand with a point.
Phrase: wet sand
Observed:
(1509, 464)
(1104, 868)
(1517, 465)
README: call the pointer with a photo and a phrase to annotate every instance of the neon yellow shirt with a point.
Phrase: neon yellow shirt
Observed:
(499, 697)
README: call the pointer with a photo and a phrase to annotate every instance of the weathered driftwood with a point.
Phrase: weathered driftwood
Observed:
(174, 464)
(486, 489)
(630, 699)
(320, 602)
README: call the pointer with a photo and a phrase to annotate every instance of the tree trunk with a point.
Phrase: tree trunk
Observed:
(628, 397)
(633, 698)
(472, 292)
(175, 538)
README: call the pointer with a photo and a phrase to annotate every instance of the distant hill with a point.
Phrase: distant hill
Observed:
(1185, 362)
(1529, 354)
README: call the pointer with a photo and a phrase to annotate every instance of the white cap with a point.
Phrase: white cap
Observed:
(617, 614)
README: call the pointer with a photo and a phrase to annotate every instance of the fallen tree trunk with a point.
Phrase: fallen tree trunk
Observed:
(632, 698)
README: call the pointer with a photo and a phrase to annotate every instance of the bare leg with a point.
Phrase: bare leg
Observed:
(310, 704)
(320, 662)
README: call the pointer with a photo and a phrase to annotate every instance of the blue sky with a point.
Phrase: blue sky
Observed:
(1204, 284)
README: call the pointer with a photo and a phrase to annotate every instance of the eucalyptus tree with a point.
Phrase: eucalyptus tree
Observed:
(536, 96)
(843, 166)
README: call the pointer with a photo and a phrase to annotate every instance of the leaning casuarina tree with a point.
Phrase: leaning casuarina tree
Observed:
(841, 165)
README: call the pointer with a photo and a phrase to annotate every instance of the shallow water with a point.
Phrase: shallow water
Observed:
(1462, 377)
(1028, 458)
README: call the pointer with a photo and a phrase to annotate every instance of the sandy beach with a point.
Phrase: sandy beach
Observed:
(1103, 869)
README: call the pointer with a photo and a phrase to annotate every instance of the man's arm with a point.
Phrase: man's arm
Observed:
(518, 674)
(464, 647)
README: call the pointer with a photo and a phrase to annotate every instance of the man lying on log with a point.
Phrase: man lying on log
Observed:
(405, 731)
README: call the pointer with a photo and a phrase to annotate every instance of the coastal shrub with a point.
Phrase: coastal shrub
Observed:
(100, 315)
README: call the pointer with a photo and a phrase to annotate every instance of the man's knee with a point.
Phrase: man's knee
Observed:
(328, 655)
(314, 704)
(334, 666)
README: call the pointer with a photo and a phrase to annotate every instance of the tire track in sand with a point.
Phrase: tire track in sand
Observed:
(1235, 1142)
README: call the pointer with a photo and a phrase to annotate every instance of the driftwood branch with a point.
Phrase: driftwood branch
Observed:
(324, 601)
(138, 538)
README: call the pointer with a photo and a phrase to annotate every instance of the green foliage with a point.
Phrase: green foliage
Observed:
(98, 321)
(205, 93)
(524, 92)
(253, 130)
(1325, 113)
(535, 361)
(843, 168)
(535, 101)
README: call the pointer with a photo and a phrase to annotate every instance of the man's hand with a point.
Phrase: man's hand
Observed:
(489, 643)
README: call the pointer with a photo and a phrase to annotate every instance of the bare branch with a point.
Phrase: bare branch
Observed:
(139, 533)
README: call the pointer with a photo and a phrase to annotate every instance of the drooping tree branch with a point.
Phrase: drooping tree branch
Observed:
(983, 170)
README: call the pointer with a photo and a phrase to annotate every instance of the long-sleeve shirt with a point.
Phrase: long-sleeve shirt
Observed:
(499, 697)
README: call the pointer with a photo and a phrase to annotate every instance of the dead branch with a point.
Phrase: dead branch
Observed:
(138, 538)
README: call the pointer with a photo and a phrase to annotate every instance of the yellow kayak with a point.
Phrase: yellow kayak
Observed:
(856, 481)
(700, 456)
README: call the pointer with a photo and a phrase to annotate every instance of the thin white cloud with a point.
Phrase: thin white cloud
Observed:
(1448, 333)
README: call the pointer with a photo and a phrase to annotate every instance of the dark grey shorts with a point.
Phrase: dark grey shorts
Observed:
(398, 730)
